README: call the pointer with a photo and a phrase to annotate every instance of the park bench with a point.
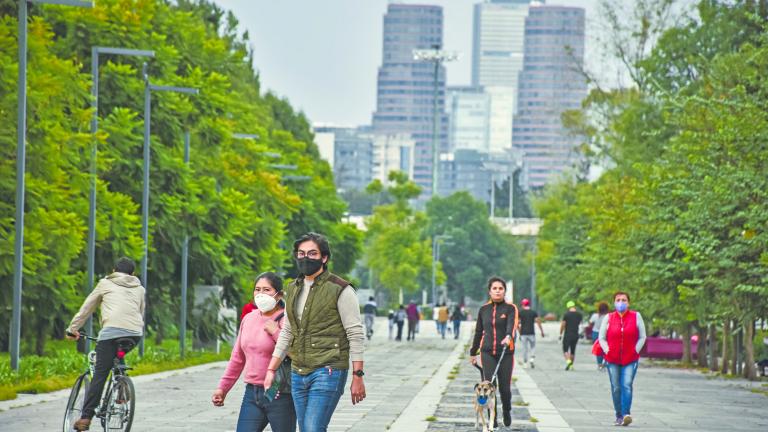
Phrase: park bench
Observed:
(665, 348)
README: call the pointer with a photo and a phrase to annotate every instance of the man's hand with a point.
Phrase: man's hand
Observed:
(269, 378)
(218, 398)
(271, 327)
(542, 334)
(357, 389)
(72, 335)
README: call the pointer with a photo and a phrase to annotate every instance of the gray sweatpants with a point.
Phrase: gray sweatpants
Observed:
(526, 341)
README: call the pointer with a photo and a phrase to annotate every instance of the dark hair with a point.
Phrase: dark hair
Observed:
(125, 265)
(274, 280)
(618, 293)
(602, 308)
(370, 298)
(493, 279)
(320, 241)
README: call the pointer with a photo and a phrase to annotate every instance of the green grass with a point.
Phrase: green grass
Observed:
(62, 364)
(533, 420)
(431, 418)
(521, 404)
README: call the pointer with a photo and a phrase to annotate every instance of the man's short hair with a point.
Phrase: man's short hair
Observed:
(320, 240)
(618, 293)
(125, 265)
(370, 298)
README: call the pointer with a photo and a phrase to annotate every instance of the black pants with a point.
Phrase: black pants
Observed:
(400, 330)
(412, 329)
(569, 344)
(106, 351)
(504, 375)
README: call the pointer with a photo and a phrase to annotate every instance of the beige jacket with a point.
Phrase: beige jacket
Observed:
(121, 297)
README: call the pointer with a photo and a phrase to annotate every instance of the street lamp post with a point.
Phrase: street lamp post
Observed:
(438, 57)
(435, 258)
(148, 89)
(21, 159)
(91, 246)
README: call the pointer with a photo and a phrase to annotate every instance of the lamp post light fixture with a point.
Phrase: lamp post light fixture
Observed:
(96, 51)
(148, 89)
(270, 154)
(438, 57)
(435, 258)
(21, 160)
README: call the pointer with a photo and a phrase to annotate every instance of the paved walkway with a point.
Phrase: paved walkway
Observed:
(664, 399)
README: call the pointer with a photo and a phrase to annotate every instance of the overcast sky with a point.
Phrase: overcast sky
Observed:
(323, 55)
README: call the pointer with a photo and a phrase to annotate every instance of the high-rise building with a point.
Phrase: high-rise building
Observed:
(352, 160)
(497, 58)
(550, 83)
(468, 118)
(405, 88)
(392, 152)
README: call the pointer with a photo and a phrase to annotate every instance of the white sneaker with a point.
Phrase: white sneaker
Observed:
(532, 365)
(525, 365)
(627, 420)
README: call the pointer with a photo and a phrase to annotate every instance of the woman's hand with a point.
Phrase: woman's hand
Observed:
(473, 360)
(269, 378)
(271, 327)
(357, 389)
(218, 397)
(506, 339)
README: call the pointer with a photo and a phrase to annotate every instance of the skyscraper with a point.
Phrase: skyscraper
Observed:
(469, 113)
(549, 84)
(497, 58)
(405, 88)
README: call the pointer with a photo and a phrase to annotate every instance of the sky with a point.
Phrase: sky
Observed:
(323, 55)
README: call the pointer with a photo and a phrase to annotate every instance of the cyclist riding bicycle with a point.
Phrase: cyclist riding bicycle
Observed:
(121, 297)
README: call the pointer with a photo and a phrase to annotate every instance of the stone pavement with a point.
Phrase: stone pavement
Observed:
(180, 400)
(664, 399)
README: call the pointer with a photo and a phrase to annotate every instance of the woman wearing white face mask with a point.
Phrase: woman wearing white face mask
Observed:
(252, 352)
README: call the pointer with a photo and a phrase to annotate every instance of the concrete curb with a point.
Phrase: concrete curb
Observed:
(424, 404)
(539, 405)
(31, 399)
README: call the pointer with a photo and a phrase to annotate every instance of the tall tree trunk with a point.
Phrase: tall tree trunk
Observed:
(750, 372)
(701, 348)
(687, 343)
(713, 348)
(41, 332)
(726, 345)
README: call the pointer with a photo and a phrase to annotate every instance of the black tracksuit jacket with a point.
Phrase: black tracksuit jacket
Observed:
(495, 321)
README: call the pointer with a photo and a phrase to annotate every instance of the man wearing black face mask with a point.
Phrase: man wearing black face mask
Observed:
(322, 334)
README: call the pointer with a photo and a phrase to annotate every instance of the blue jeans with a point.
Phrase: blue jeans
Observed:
(595, 335)
(316, 395)
(622, 378)
(256, 412)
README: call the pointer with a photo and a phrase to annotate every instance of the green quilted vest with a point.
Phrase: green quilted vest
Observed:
(319, 338)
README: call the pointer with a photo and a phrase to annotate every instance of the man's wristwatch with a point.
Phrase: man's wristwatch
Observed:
(358, 373)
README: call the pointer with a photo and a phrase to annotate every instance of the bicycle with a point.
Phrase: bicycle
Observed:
(118, 401)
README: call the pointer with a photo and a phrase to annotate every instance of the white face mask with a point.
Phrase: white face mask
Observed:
(264, 302)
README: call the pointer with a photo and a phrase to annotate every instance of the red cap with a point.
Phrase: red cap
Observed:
(525, 302)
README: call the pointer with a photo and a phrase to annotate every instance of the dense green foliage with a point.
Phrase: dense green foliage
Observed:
(680, 219)
(240, 214)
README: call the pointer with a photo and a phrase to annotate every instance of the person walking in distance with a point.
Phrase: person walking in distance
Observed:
(369, 314)
(400, 317)
(596, 320)
(251, 353)
(322, 335)
(494, 330)
(390, 323)
(622, 336)
(456, 318)
(120, 297)
(442, 319)
(412, 312)
(528, 317)
(569, 333)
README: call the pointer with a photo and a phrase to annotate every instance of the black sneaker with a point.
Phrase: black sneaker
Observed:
(507, 417)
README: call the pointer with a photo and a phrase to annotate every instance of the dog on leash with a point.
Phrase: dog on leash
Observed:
(485, 399)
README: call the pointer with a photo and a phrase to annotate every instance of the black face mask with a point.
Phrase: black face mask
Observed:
(308, 266)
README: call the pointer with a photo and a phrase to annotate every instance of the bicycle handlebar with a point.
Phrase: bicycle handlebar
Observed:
(83, 335)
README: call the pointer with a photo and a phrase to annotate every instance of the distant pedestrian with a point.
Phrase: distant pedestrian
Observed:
(323, 334)
(569, 333)
(400, 317)
(456, 318)
(622, 336)
(251, 353)
(369, 315)
(412, 311)
(596, 320)
(528, 317)
(391, 322)
(496, 323)
(442, 319)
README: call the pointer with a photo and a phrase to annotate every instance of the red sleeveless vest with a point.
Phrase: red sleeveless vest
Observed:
(622, 338)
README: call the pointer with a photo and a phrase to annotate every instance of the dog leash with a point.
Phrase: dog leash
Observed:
(496, 371)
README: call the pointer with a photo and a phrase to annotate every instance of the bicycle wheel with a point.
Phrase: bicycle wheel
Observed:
(76, 401)
(120, 406)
